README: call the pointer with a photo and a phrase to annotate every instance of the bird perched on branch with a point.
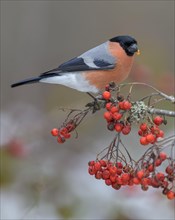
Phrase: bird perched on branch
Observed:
(92, 70)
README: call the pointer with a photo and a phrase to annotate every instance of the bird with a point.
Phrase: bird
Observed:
(90, 72)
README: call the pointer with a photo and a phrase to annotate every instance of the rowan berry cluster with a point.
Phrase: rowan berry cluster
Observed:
(116, 115)
(150, 133)
(64, 132)
(118, 174)
(74, 118)
(119, 118)
(149, 175)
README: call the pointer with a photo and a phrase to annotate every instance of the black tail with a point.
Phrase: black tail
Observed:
(26, 81)
(50, 73)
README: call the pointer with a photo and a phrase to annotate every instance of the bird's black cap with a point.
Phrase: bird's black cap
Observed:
(128, 43)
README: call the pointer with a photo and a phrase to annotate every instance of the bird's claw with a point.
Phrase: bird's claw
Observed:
(96, 105)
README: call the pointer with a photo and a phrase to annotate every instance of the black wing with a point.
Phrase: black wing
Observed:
(78, 64)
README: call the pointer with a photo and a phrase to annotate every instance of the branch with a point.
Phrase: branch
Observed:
(170, 98)
(161, 112)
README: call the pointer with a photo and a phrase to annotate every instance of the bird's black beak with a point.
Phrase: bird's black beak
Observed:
(133, 48)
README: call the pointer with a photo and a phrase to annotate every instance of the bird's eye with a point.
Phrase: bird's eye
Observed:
(127, 44)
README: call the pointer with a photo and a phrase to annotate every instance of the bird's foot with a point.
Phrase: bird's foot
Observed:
(97, 104)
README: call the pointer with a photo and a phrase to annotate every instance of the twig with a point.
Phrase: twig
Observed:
(161, 112)
(170, 98)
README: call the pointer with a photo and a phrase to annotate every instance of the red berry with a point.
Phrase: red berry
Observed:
(170, 195)
(113, 170)
(158, 162)
(103, 163)
(114, 109)
(107, 87)
(116, 186)
(117, 116)
(136, 180)
(63, 131)
(97, 166)
(143, 127)
(67, 135)
(158, 120)
(113, 178)
(151, 168)
(155, 183)
(119, 171)
(160, 176)
(108, 116)
(140, 132)
(105, 174)
(140, 174)
(144, 181)
(108, 106)
(98, 175)
(118, 127)
(108, 182)
(60, 139)
(126, 105)
(55, 132)
(91, 170)
(119, 165)
(150, 138)
(143, 141)
(70, 127)
(162, 156)
(155, 130)
(144, 188)
(169, 169)
(125, 177)
(160, 134)
(126, 130)
(109, 164)
(91, 163)
(106, 95)
(164, 184)
(149, 181)
(119, 180)
(120, 104)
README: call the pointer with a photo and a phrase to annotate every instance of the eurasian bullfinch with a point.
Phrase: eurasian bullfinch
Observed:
(91, 71)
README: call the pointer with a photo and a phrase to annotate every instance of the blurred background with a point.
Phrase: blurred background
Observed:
(41, 179)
